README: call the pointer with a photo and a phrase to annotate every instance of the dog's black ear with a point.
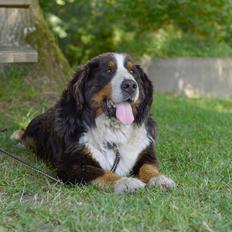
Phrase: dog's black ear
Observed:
(70, 106)
(77, 86)
(147, 95)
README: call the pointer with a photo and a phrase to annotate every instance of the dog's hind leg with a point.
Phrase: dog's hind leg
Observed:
(17, 135)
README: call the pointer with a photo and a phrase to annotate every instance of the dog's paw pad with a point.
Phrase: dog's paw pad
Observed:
(128, 185)
(162, 181)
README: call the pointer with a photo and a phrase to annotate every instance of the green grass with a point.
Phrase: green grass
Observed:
(194, 147)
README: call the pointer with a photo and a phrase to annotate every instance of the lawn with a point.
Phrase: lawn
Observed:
(194, 147)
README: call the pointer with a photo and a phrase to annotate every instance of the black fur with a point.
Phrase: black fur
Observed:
(146, 89)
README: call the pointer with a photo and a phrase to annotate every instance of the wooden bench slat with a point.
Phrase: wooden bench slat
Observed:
(18, 55)
(15, 3)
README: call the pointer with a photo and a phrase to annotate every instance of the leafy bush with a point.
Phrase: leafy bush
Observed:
(170, 42)
(85, 28)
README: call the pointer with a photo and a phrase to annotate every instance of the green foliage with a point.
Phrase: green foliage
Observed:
(85, 28)
(169, 42)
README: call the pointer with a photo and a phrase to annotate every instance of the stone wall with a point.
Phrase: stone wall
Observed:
(211, 77)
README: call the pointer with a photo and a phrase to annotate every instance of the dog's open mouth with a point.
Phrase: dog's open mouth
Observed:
(122, 111)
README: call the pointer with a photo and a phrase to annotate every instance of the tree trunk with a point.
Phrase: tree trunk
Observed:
(51, 59)
(26, 27)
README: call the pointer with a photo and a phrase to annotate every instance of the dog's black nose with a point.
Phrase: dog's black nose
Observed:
(129, 86)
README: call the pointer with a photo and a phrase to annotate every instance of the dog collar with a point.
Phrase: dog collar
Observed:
(114, 147)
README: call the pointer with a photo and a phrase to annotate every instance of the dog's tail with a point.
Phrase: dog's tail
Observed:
(17, 135)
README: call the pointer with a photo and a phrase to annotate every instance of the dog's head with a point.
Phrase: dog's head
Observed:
(112, 84)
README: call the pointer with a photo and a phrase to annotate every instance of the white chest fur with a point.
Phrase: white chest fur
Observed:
(130, 141)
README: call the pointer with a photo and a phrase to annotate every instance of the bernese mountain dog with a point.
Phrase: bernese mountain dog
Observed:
(100, 132)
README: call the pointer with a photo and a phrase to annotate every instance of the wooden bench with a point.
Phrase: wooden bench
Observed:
(12, 53)
(15, 3)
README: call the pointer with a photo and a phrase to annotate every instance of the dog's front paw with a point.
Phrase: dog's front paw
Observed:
(162, 181)
(128, 185)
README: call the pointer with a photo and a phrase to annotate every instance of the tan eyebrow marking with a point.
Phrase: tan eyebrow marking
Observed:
(129, 65)
(111, 64)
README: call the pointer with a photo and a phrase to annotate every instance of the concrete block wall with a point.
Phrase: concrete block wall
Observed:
(211, 77)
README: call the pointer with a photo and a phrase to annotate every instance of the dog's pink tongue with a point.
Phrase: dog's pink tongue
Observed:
(124, 113)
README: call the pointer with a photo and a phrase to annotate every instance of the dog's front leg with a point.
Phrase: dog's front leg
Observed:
(146, 169)
(118, 184)
(149, 174)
